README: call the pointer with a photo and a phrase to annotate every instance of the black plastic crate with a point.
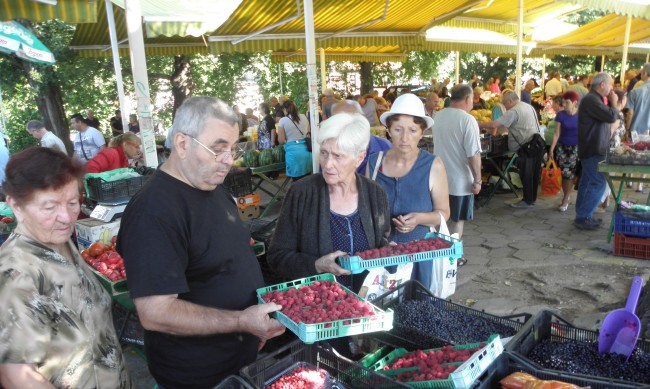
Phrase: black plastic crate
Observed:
(507, 364)
(412, 339)
(548, 325)
(239, 182)
(114, 191)
(344, 372)
(234, 382)
(499, 144)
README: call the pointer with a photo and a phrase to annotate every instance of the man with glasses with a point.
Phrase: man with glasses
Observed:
(191, 271)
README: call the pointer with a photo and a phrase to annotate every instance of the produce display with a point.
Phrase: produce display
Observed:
(301, 378)
(636, 154)
(423, 320)
(105, 260)
(520, 380)
(321, 301)
(278, 154)
(482, 115)
(251, 158)
(413, 247)
(583, 358)
(265, 157)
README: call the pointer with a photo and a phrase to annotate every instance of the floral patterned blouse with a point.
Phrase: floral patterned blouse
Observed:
(57, 316)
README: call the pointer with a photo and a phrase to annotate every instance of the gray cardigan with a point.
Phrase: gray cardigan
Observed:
(303, 231)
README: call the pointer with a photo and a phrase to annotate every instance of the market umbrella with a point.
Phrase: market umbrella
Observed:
(14, 38)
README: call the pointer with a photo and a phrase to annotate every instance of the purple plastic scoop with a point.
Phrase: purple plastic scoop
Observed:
(621, 328)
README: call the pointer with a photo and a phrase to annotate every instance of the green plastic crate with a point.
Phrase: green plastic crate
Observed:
(463, 377)
(443, 383)
(370, 359)
(356, 264)
(310, 333)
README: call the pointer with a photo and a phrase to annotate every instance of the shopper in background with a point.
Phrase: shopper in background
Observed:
(117, 127)
(134, 126)
(266, 134)
(88, 141)
(564, 145)
(121, 149)
(414, 180)
(57, 329)
(292, 130)
(91, 120)
(46, 138)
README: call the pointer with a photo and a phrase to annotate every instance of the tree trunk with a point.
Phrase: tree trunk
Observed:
(181, 80)
(50, 106)
(366, 77)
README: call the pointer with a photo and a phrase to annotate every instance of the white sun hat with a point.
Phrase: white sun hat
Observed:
(407, 104)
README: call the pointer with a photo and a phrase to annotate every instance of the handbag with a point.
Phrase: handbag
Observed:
(551, 179)
(535, 147)
(307, 137)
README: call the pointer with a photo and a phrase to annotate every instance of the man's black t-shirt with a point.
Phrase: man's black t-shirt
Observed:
(176, 239)
(94, 123)
(116, 124)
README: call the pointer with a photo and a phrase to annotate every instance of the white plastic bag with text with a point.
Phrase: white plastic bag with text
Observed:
(443, 277)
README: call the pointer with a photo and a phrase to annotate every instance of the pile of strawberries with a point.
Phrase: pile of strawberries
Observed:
(321, 301)
(432, 365)
(301, 378)
(413, 247)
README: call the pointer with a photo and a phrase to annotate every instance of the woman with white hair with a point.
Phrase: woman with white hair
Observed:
(332, 213)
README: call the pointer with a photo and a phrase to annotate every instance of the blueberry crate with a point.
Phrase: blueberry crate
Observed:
(549, 325)
(239, 182)
(632, 224)
(499, 144)
(343, 372)
(310, 333)
(327, 381)
(507, 364)
(113, 192)
(412, 339)
(465, 374)
(357, 265)
(234, 382)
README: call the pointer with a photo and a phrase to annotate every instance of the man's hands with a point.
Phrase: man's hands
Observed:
(612, 98)
(327, 264)
(255, 320)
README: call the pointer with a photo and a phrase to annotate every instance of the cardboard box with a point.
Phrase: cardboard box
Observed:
(248, 213)
(89, 231)
(248, 201)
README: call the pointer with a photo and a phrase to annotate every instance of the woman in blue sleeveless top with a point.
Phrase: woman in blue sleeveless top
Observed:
(414, 180)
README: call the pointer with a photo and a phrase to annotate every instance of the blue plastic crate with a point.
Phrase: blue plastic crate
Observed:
(632, 225)
(310, 333)
(356, 264)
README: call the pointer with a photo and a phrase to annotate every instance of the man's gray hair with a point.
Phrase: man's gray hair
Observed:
(191, 117)
(646, 68)
(349, 106)
(599, 79)
(329, 92)
(460, 92)
(350, 130)
(34, 125)
(509, 96)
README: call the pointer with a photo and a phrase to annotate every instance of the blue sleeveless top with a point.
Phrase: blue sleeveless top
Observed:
(407, 194)
(348, 235)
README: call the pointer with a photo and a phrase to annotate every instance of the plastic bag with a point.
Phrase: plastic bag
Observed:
(443, 277)
(551, 179)
(526, 381)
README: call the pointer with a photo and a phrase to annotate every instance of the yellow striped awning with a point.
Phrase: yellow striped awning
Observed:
(70, 11)
(620, 7)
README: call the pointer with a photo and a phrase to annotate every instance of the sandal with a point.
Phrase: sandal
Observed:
(462, 261)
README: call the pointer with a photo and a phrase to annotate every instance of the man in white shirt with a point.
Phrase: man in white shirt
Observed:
(553, 86)
(88, 141)
(456, 140)
(47, 139)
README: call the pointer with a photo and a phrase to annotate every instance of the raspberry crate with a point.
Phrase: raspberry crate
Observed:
(548, 325)
(632, 223)
(310, 333)
(343, 372)
(464, 375)
(630, 246)
(411, 339)
(326, 384)
(234, 382)
(357, 265)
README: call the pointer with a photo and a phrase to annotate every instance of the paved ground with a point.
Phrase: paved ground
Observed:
(527, 260)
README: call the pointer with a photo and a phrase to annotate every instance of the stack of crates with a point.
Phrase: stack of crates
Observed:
(239, 183)
(632, 234)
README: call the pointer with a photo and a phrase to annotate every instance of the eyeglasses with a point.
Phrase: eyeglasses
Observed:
(220, 154)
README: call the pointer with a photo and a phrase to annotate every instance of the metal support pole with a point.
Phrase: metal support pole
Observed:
(626, 46)
(323, 75)
(116, 63)
(520, 33)
(141, 81)
(310, 50)
(543, 69)
(280, 73)
(602, 63)
(457, 68)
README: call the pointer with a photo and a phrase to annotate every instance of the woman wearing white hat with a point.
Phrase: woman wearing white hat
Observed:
(415, 180)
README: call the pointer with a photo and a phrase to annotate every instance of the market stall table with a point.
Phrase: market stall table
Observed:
(278, 191)
(622, 173)
(497, 160)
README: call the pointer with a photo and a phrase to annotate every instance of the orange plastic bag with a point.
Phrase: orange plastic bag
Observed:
(521, 380)
(551, 179)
